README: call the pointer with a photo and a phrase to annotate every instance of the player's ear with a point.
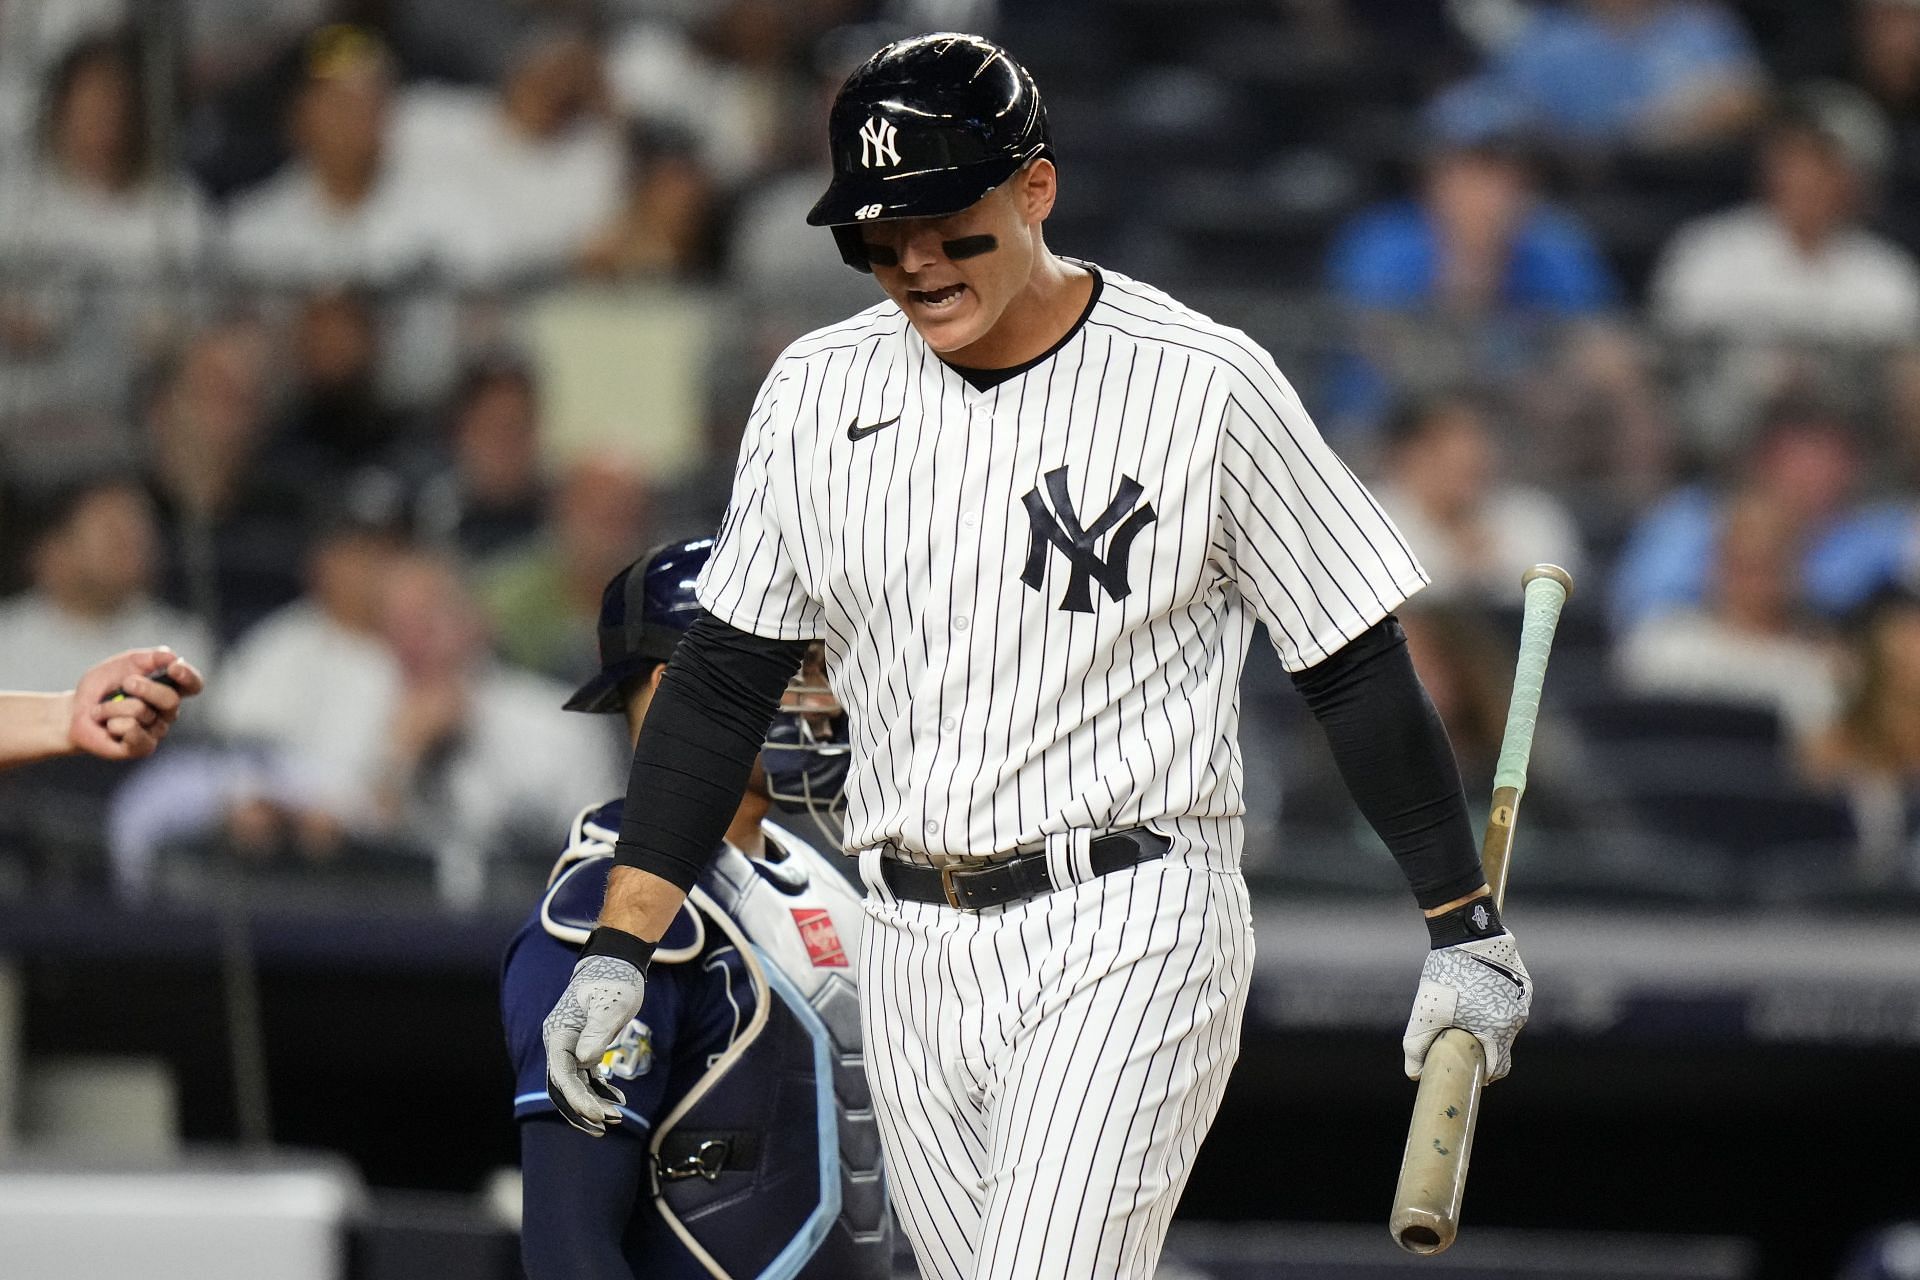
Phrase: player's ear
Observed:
(1034, 190)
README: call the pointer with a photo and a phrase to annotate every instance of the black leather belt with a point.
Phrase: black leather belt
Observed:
(1024, 875)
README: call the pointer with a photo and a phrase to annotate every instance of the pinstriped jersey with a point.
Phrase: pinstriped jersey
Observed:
(1036, 599)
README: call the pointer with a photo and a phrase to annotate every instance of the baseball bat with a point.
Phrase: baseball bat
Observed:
(1433, 1170)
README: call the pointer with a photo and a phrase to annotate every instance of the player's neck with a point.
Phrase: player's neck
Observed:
(1034, 322)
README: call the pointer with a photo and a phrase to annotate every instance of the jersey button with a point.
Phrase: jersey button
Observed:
(949, 724)
(933, 828)
(969, 519)
(960, 623)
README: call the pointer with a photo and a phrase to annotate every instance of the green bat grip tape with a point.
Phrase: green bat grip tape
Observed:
(1545, 597)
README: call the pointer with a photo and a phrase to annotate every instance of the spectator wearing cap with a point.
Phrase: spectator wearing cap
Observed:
(1797, 264)
(1608, 75)
(339, 211)
(93, 564)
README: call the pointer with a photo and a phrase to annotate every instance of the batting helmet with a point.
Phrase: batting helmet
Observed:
(643, 613)
(925, 128)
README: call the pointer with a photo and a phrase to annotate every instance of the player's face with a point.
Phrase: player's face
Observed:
(956, 276)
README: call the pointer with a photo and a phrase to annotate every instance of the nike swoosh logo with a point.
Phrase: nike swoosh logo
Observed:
(1500, 969)
(857, 432)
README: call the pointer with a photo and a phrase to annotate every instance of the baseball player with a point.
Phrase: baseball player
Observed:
(1035, 509)
(747, 1144)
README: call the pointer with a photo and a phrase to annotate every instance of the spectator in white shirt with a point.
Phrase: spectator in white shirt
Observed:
(307, 783)
(93, 566)
(477, 757)
(90, 223)
(1750, 644)
(1797, 264)
(98, 200)
(338, 212)
(520, 178)
(1475, 533)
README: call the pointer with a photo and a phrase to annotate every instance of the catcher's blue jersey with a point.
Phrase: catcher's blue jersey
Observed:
(742, 1074)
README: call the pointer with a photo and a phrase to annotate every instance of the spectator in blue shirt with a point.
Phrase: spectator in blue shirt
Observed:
(1477, 240)
(1607, 74)
(1807, 463)
(1451, 287)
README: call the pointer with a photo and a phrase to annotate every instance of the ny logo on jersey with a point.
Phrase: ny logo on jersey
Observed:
(1061, 528)
(876, 143)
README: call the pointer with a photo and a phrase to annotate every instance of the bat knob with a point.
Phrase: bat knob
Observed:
(1421, 1231)
(1553, 571)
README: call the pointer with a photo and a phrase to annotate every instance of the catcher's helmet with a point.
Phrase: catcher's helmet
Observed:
(925, 128)
(643, 613)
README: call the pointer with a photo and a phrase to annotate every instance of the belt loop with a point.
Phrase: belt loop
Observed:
(1060, 859)
(1082, 855)
(870, 875)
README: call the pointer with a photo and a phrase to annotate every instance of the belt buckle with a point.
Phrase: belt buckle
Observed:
(947, 887)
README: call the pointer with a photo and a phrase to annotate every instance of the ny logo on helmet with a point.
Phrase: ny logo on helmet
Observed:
(876, 143)
(1061, 528)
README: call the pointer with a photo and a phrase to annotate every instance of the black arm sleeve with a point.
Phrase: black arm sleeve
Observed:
(703, 730)
(579, 1193)
(1394, 755)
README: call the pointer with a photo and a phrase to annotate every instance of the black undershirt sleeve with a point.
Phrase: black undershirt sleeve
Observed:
(1394, 755)
(703, 730)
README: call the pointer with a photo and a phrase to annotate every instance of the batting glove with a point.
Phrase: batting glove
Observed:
(603, 996)
(1473, 979)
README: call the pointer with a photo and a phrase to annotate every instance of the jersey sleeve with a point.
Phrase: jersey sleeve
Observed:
(1311, 551)
(752, 580)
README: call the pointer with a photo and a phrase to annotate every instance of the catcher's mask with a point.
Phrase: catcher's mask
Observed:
(806, 753)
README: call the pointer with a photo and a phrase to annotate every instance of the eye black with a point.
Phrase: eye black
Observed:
(880, 255)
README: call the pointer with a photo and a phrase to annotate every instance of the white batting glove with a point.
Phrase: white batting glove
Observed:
(603, 996)
(1477, 983)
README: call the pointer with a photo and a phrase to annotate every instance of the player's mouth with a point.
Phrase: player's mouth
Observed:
(937, 302)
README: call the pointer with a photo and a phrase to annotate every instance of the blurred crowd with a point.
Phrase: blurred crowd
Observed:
(349, 346)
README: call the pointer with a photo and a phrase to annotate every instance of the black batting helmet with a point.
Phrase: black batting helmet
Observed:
(925, 128)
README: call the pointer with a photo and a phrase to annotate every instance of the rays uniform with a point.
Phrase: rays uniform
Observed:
(1036, 592)
(748, 1150)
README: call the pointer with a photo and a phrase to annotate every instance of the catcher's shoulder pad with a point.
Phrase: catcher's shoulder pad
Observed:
(578, 885)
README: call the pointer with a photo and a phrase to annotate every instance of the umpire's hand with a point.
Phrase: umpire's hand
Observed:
(1481, 986)
(603, 996)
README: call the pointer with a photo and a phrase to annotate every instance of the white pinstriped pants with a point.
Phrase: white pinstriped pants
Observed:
(1043, 1072)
